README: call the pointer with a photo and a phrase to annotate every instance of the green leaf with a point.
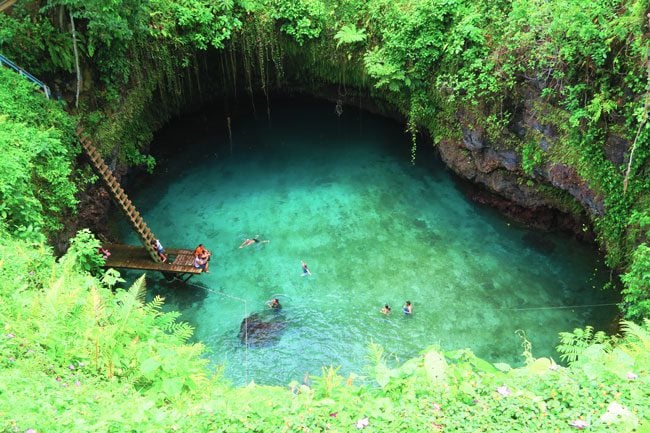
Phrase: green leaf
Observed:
(435, 366)
(172, 386)
(149, 367)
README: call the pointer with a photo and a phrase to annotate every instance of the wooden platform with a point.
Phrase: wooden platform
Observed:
(134, 257)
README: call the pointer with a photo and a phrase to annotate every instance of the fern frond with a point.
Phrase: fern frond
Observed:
(139, 290)
(166, 321)
(153, 307)
(181, 331)
(97, 307)
(349, 34)
(375, 354)
(573, 344)
(635, 333)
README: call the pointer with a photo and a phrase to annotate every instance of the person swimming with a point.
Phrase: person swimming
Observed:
(385, 310)
(255, 240)
(408, 308)
(274, 304)
(305, 269)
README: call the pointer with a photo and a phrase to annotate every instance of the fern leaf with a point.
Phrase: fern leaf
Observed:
(139, 290)
(636, 333)
(349, 34)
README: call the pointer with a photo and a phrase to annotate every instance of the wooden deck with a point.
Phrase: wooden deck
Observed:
(134, 257)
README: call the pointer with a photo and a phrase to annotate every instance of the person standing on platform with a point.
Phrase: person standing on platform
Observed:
(159, 249)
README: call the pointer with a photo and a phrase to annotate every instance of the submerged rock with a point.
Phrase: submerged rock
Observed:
(264, 328)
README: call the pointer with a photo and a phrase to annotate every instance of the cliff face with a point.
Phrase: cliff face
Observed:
(551, 195)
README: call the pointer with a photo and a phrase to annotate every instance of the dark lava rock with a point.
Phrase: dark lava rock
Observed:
(264, 328)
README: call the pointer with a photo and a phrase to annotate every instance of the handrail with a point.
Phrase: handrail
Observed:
(5, 61)
(5, 4)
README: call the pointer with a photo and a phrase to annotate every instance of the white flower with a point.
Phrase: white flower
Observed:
(362, 423)
(503, 390)
(617, 413)
(579, 424)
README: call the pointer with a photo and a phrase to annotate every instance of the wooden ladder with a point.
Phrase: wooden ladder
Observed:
(137, 222)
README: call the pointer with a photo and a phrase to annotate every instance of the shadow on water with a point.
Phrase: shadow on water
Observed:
(538, 242)
(183, 295)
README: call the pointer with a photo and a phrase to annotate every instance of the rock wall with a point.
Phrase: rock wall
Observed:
(546, 198)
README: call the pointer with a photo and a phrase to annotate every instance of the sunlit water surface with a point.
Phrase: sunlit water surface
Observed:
(341, 194)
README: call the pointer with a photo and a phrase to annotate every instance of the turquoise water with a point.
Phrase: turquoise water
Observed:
(340, 194)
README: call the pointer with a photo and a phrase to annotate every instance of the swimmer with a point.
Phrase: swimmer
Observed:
(274, 304)
(255, 240)
(385, 310)
(408, 308)
(305, 269)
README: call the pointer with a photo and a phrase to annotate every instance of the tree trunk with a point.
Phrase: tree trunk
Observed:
(76, 60)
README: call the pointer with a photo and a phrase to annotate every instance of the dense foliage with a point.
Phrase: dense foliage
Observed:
(38, 151)
(81, 354)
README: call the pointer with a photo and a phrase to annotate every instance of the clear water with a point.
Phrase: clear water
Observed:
(340, 194)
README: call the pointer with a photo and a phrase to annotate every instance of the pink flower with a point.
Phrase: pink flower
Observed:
(362, 423)
(632, 376)
(71, 367)
(30, 430)
(437, 407)
(77, 383)
(579, 424)
(503, 390)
